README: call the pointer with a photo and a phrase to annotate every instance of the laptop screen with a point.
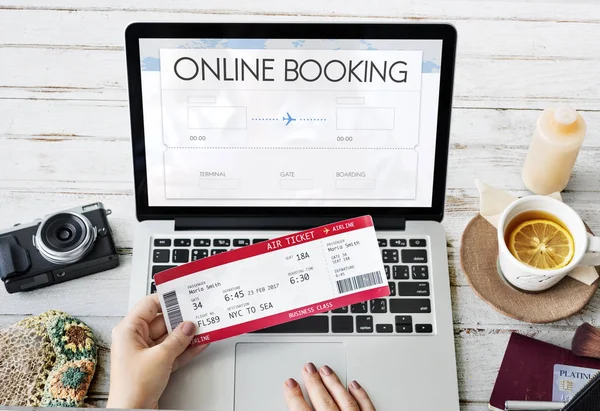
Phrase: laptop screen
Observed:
(290, 122)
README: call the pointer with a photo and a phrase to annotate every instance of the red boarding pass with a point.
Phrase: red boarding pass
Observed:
(275, 281)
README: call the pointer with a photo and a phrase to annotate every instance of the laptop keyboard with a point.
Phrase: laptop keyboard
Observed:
(408, 309)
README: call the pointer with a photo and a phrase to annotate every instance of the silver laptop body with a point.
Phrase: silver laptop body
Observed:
(193, 196)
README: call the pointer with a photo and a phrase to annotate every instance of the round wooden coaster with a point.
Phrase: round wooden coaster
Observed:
(478, 258)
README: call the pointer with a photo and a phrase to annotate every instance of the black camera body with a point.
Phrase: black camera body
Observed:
(58, 248)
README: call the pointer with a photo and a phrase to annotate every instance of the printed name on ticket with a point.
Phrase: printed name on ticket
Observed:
(275, 281)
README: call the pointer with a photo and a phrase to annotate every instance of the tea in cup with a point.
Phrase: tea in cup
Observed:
(540, 241)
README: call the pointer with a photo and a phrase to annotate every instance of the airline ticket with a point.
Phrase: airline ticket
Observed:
(275, 281)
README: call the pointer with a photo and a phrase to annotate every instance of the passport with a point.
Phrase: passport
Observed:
(527, 370)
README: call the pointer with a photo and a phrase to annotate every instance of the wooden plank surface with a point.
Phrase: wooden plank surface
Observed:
(512, 10)
(64, 133)
(504, 39)
(510, 82)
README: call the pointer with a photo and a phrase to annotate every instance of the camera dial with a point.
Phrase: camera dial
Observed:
(65, 238)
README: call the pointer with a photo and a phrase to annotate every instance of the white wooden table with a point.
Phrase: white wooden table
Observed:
(64, 133)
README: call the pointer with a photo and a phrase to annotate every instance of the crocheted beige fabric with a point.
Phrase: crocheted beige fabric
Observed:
(46, 360)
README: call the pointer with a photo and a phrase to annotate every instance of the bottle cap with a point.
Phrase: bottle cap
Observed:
(565, 115)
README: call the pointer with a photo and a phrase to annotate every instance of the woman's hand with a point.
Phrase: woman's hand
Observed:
(326, 392)
(143, 355)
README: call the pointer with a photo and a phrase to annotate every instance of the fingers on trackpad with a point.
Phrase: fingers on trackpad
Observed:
(262, 368)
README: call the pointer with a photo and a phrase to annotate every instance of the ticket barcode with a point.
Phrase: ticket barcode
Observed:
(173, 310)
(360, 281)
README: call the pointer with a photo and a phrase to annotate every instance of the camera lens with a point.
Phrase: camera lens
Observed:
(64, 233)
(65, 238)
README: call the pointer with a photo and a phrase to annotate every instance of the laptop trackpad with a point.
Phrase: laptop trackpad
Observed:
(262, 368)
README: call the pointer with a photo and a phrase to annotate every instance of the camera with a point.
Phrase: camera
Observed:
(57, 248)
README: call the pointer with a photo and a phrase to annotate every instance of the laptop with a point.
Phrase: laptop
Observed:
(246, 132)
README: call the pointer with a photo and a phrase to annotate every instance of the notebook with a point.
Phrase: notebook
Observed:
(527, 370)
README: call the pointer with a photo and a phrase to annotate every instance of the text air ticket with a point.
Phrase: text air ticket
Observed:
(275, 281)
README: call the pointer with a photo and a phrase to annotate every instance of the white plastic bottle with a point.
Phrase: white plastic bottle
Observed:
(558, 135)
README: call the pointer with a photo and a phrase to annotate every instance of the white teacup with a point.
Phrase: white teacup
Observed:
(587, 246)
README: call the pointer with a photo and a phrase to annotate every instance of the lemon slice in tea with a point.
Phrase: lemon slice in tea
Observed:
(542, 244)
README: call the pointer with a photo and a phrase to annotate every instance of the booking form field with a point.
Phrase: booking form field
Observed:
(365, 118)
(354, 184)
(202, 100)
(210, 117)
(296, 184)
(219, 183)
(351, 100)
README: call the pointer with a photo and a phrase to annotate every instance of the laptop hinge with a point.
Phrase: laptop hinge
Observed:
(270, 223)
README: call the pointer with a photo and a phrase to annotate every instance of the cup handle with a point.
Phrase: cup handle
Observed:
(592, 256)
